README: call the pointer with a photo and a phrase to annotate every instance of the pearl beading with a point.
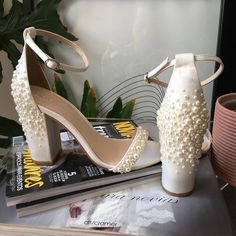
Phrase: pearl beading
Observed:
(32, 120)
(133, 152)
(181, 128)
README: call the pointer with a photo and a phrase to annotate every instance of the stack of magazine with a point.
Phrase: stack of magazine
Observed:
(33, 188)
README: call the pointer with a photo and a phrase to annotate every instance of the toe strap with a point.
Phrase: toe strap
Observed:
(131, 156)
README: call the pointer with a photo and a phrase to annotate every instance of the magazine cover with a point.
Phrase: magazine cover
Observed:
(27, 181)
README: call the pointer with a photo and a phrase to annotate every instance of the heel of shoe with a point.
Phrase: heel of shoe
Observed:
(42, 133)
(44, 142)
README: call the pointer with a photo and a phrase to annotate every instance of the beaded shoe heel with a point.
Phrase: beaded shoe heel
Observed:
(182, 120)
(40, 111)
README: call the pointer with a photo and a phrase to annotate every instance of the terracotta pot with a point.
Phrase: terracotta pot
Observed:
(224, 138)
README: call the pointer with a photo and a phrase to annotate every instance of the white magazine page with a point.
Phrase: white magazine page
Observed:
(133, 210)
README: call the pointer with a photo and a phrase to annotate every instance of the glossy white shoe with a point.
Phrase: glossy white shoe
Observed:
(40, 111)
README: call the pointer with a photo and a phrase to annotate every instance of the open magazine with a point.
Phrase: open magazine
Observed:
(137, 209)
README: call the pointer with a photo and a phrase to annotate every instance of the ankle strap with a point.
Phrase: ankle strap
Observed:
(29, 35)
(150, 77)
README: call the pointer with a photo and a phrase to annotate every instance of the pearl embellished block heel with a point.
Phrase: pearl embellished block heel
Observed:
(40, 111)
(182, 120)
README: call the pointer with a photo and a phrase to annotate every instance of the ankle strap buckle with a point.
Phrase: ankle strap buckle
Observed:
(52, 64)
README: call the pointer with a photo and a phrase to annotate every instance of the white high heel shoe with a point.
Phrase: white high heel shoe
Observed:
(182, 120)
(40, 110)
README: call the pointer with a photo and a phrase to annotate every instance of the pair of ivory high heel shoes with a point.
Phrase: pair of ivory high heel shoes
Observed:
(40, 111)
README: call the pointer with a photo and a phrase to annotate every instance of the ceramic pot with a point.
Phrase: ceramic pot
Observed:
(224, 138)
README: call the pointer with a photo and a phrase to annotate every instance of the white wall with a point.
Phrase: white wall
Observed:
(127, 37)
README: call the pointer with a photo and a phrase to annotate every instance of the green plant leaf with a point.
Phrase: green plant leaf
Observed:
(12, 52)
(59, 87)
(128, 109)
(5, 142)
(116, 110)
(91, 109)
(85, 95)
(1, 8)
(10, 25)
(10, 128)
(44, 16)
